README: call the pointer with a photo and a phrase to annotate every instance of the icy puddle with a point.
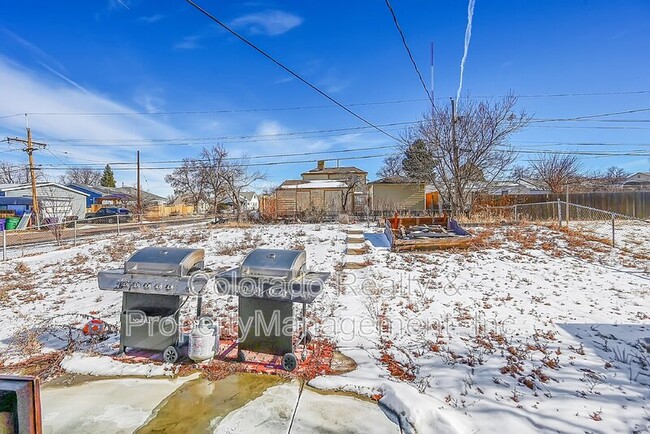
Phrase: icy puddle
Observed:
(108, 405)
(197, 404)
(238, 403)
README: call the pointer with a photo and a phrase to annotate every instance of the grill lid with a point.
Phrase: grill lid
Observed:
(276, 263)
(164, 261)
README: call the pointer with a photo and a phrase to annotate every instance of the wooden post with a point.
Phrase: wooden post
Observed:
(567, 205)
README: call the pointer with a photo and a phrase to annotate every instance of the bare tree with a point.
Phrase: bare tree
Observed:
(556, 170)
(353, 184)
(212, 166)
(392, 166)
(82, 176)
(187, 181)
(467, 153)
(12, 174)
(237, 178)
(616, 175)
(519, 172)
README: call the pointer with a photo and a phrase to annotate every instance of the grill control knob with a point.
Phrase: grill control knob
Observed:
(169, 287)
(157, 286)
(135, 285)
(146, 286)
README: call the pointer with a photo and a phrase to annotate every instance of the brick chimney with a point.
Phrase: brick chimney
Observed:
(320, 165)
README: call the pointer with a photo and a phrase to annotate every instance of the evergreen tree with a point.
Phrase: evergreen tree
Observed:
(418, 162)
(108, 178)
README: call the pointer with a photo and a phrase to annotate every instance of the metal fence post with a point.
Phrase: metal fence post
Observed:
(559, 213)
(613, 231)
(74, 243)
(117, 219)
(4, 244)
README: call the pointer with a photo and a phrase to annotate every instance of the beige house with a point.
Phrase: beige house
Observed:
(397, 193)
(323, 190)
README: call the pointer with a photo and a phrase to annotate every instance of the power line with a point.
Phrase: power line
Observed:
(270, 163)
(255, 157)
(590, 118)
(220, 138)
(11, 116)
(558, 143)
(289, 70)
(602, 115)
(217, 111)
(271, 109)
(313, 107)
(408, 50)
(591, 127)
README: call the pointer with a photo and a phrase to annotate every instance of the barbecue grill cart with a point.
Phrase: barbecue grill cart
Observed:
(152, 283)
(267, 283)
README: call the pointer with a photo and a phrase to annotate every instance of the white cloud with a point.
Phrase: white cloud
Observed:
(24, 91)
(150, 19)
(150, 101)
(271, 22)
(190, 42)
(270, 128)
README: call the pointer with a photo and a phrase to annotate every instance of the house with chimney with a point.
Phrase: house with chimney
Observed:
(323, 191)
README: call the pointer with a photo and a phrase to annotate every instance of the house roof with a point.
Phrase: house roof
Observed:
(329, 170)
(395, 180)
(248, 195)
(132, 192)
(11, 187)
(316, 184)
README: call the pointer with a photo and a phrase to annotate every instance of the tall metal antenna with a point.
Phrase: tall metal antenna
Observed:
(432, 78)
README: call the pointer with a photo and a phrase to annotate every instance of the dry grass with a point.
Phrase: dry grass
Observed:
(44, 366)
(249, 242)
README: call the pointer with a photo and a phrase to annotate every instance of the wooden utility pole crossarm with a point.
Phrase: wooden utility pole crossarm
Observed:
(29, 149)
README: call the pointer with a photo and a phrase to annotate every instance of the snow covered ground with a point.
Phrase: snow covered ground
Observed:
(529, 330)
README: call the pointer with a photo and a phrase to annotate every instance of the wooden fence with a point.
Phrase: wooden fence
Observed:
(632, 203)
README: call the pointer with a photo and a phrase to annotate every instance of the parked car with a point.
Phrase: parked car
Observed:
(109, 215)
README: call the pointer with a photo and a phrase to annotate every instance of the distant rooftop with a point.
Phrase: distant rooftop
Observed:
(317, 184)
(347, 169)
(395, 180)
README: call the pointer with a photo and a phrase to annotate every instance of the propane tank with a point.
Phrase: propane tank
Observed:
(203, 340)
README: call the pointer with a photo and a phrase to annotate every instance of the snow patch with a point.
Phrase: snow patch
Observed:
(104, 366)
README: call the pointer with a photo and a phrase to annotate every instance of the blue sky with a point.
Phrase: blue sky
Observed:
(136, 56)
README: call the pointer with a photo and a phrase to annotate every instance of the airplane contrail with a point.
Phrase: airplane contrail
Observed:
(468, 37)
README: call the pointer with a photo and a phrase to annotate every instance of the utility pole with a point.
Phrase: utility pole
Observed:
(139, 189)
(433, 99)
(29, 149)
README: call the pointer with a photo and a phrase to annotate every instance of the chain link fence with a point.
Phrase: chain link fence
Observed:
(597, 222)
(73, 231)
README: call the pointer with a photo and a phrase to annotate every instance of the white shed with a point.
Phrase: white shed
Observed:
(55, 200)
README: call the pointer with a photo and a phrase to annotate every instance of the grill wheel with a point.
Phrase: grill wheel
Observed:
(170, 355)
(289, 362)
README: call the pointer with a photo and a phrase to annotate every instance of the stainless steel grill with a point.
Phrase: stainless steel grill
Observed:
(153, 281)
(154, 270)
(276, 263)
(268, 282)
